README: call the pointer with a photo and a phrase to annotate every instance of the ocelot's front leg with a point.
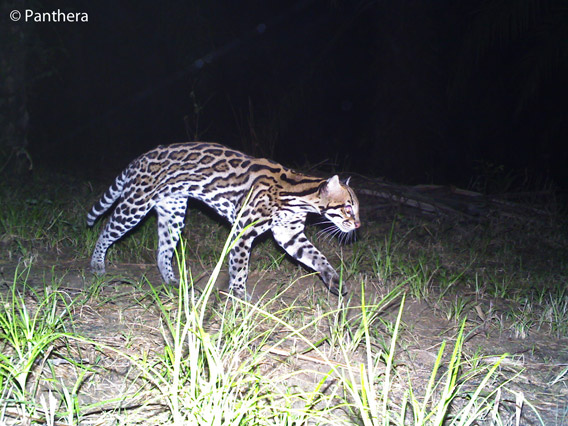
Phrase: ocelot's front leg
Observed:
(291, 238)
(238, 267)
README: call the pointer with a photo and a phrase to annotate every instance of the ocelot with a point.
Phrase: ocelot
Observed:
(280, 199)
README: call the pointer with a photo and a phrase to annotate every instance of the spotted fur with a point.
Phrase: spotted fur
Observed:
(164, 178)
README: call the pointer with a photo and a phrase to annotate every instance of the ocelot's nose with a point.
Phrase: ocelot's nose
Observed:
(357, 224)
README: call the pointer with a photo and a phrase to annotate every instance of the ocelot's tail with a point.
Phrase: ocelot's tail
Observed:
(107, 200)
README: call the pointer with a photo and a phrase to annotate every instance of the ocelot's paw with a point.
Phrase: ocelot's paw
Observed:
(173, 281)
(241, 293)
(338, 288)
(335, 285)
(167, 272)
(98, 268)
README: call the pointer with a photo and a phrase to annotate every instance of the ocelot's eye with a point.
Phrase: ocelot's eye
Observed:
(348, 209)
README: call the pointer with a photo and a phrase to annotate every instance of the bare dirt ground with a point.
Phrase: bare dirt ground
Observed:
(513, 254)
(118, 317)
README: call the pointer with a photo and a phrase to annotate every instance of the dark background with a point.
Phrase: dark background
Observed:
(471, 93)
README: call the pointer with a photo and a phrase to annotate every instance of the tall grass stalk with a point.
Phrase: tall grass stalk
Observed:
(26, 336)
(191, 361)
(369, 386)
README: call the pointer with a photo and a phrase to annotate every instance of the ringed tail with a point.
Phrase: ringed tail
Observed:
(107, 200)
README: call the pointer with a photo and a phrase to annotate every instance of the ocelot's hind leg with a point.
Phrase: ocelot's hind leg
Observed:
(171, 213)
(122, 220)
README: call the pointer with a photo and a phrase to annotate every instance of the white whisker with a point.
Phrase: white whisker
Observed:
(329, 230)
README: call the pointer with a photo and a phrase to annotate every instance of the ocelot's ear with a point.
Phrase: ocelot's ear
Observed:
(347, 181)
(331, 186)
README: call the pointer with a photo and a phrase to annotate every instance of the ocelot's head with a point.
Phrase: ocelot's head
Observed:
(339, 204)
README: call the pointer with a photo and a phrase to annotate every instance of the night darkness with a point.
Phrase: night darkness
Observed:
(413, 91)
